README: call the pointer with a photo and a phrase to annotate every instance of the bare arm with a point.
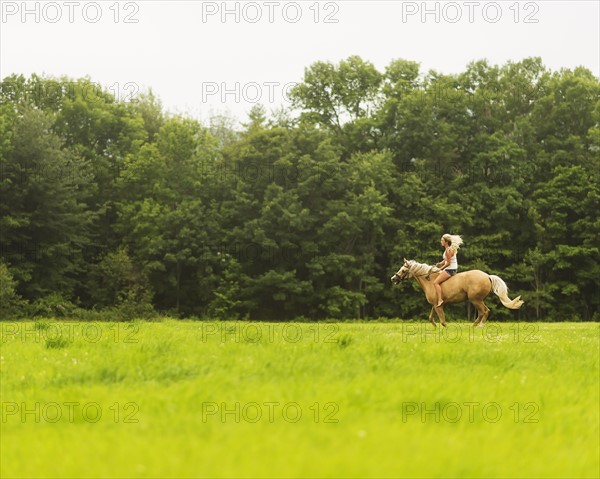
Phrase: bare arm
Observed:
(446, 261)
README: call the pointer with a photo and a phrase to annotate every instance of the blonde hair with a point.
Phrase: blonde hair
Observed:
(454, 240)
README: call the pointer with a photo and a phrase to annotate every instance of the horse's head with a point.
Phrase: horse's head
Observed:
(403, 272)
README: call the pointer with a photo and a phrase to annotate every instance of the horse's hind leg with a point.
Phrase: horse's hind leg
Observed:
(482, 312)
(478, 318)
(486, 314)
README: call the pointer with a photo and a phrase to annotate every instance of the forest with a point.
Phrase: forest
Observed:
(118, 209)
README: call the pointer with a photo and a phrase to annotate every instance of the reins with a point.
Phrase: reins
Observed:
(428, 274)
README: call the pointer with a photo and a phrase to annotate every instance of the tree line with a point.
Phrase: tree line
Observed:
(117, 208)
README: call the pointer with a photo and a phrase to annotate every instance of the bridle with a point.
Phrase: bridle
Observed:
(427, 275)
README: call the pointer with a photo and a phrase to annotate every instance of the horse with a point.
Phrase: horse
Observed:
(473, 285)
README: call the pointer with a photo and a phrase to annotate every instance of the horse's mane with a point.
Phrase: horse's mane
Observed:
(417, 268)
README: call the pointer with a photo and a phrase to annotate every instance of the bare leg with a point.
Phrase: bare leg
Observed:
(438, 289)
(438, 281)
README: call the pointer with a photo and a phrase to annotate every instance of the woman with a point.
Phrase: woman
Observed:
(449, 264)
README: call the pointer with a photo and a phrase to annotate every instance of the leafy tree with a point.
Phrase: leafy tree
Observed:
(10, 301)
(307, 211)
(44, 221)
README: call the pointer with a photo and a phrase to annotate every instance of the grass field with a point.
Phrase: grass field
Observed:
(198, 399)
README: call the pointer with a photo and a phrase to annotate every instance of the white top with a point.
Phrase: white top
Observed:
(453, 262)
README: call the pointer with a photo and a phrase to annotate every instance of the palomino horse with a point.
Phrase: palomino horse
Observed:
(472, 285)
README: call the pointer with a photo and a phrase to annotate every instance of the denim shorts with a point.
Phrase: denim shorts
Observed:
(451, 272)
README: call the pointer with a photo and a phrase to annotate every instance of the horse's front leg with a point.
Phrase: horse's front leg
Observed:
(431, 318)
(440, 312)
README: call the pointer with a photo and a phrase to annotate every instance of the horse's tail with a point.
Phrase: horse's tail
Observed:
(501, 290)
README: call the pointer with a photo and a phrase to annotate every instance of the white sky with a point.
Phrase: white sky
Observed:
(198, 62)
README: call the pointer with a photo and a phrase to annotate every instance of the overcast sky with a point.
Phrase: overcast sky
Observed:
(203, 58)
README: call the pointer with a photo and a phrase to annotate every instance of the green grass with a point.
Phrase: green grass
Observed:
(512, 400)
